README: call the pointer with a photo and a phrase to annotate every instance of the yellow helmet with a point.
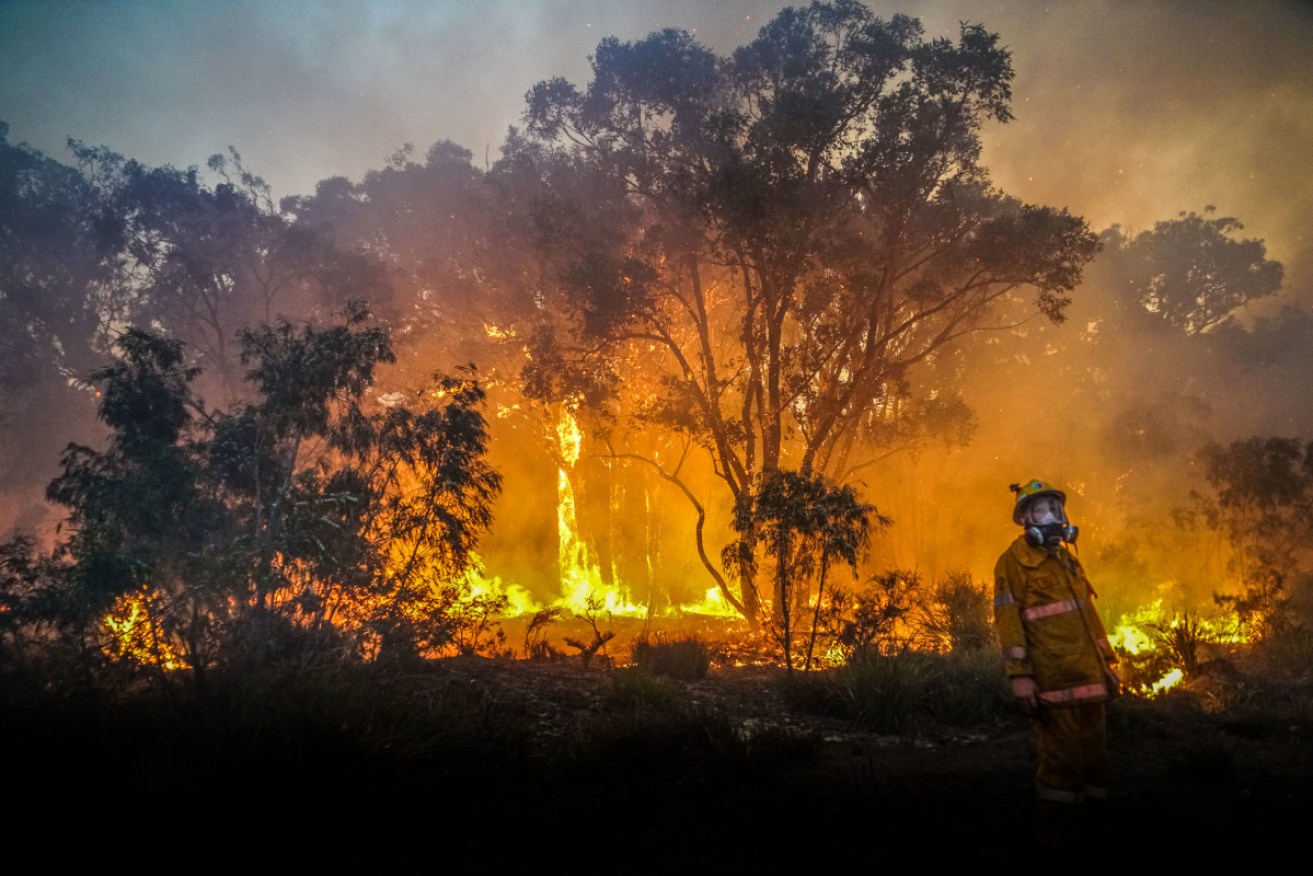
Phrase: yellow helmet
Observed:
(1029, 490)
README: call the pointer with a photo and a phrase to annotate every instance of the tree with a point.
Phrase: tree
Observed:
(805, 223)
(1262, 504)
(56, 264)
(1192, 273)
(204, 259)
(301, 518)
(805, 525)
(463, 293)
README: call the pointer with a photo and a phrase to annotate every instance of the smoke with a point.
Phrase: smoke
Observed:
(1126, 114)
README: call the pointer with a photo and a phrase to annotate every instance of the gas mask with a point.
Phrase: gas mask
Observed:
(1046, 523)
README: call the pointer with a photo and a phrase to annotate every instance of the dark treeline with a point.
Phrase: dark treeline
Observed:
(728, 271)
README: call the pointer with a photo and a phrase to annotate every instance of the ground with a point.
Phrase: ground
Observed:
(1218, 773)
(1194, 785)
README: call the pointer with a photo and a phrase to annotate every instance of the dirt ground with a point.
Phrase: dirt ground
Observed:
(1195, 786)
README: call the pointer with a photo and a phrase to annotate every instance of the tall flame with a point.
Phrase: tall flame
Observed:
(584, 589)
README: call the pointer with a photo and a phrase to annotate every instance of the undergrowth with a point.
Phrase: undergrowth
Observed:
(904, 693)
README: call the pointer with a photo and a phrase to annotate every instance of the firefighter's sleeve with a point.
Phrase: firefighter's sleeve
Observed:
(1007, 619)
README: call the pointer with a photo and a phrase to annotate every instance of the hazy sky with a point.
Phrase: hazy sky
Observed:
(1128, 111)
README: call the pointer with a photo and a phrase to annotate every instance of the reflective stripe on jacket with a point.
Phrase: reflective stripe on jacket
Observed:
(1048, 626)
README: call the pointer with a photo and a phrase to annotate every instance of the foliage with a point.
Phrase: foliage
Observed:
(686, 658)
(590, 615)
(1191, 272)
(876, 618)
(803, 524)
(536, 646)
(1261, 609)
(969, 690)
(300, 517)
(957, 615)
(57, 265)
(906, 693)
(885, 694)
(1262, 493)
(1180, 639)
(637, 687)
(788, 233)
(202, 260)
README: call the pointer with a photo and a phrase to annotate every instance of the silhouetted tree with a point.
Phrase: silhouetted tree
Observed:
(57, 261)
(801, 224)
(204, 259)
(306, 512)
(804, 524)
(1192, 272)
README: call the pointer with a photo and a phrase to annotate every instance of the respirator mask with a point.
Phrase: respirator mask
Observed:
(1046, 523)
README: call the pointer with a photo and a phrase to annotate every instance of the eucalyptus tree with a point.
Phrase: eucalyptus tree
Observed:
(203, 252)
(806, 525)
(805, 222)
(309, 515)
(56, 267)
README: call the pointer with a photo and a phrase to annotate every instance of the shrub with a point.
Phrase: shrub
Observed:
(685, 658)
(903, 693)
(875, 617)
(637, 688)
(957, 615)
(887, 693)
(967, 689)
(536, 646)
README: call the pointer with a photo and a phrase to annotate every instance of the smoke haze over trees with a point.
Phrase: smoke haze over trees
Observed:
(1181, 333)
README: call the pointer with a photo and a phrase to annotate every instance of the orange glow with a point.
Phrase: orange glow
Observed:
(1155, 637)
(136, 634)
(583, 587)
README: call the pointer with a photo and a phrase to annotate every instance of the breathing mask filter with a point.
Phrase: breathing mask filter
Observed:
(1050, 535)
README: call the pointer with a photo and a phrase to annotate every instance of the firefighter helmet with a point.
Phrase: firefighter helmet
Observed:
(1029, 490)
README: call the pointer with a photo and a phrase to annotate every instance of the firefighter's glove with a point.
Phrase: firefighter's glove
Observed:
(1025, 693)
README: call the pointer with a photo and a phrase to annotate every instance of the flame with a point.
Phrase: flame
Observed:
(519, 601)
(1152, 636)
(1162, 648)
(583, 587)
(137, 635)
(712, 604)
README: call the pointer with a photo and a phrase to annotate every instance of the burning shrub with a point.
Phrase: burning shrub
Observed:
(589, 649)
(1262, 608)
(805, 525)
(536, 646)
(874, 619)
(957, 615)
(303, 508)
(1180, 639)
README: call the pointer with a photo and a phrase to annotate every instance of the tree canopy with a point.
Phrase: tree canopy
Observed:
(306, 518)
(804, 223)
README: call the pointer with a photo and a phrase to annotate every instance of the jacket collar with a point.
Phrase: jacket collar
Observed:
(1027, 554)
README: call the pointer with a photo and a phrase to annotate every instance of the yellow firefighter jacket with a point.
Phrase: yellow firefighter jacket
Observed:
(1048, 626)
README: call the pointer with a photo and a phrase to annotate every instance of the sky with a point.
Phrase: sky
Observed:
(1127, 111)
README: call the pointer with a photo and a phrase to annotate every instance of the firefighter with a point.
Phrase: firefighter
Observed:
(1058, 660)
